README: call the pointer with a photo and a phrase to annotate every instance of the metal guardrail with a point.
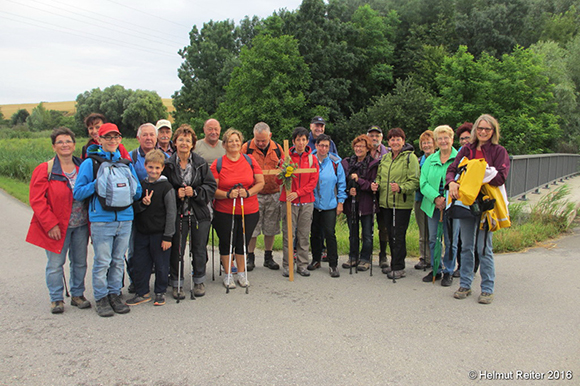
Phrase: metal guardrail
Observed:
(528, 173)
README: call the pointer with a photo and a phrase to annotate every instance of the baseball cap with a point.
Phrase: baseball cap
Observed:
(318, 120)
(107, 128)
(374, 128)
(163, 123)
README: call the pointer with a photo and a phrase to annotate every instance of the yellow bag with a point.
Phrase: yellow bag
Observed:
(470, 179)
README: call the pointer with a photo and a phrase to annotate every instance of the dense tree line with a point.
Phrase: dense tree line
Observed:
(413, 64)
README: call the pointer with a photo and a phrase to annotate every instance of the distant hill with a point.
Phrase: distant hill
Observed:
(69, 107)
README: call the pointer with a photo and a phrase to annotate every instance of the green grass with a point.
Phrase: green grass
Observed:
(15, 188)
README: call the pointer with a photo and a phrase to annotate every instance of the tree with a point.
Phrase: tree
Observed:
(268, 86)
(126, 108)
(19, 117)
(513, 89)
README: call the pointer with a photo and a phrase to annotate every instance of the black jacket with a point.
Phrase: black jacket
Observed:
(204, 185)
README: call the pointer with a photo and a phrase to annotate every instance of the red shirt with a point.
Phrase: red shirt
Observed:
(232, 173)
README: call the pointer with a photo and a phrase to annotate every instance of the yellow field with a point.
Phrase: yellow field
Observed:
(69, 107)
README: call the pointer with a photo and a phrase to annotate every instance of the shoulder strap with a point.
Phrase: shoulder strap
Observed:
(249, 159)
(135, 155)
(310, 160)
(50, 164)
(249, 150)
(218, 165)
(278, 151)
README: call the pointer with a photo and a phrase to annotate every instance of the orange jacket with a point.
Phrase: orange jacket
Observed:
(266, 161)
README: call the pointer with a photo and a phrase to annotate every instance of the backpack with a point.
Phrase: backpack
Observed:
(115, 184)
(218, 165)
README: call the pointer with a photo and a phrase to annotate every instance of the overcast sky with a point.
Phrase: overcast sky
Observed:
(53, 50)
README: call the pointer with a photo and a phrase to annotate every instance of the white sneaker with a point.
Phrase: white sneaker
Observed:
(229, 281)
(242, 279)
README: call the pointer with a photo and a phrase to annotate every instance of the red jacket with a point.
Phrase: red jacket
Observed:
(266, 161)
(51, 200)
(304, 183)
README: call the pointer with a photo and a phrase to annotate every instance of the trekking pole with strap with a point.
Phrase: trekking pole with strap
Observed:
(180, 249)
(191, 295)
(244, 239)
(231, 245)
(394, 231)
(65, 286)
(212, 257)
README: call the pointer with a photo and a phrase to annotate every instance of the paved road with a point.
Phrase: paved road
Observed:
(315, 331)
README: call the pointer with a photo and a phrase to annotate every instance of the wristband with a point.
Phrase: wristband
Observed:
(247, 193)
(228, 194)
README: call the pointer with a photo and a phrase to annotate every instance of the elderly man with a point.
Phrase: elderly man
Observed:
(268, 154)
(147, 137)
(210, 147)
(376, 135)
(317, 126)
(164, 142)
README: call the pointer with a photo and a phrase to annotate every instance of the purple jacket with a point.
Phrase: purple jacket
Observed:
(365, 195)
(495, 155)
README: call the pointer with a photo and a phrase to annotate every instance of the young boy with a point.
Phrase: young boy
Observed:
(155, 222)
(110, 228)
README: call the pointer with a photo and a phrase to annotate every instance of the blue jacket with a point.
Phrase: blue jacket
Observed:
(139, 163)
(85, 188)
(331, 187)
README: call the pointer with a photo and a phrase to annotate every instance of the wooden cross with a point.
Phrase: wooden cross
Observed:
(289, 209)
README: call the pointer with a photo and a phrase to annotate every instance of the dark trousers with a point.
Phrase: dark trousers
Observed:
(323, 228)
(397, 235)
(148, 252)
(198, 238)
(222, 223)
(366, 222)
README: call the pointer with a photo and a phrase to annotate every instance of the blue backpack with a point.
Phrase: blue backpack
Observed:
(115, 184)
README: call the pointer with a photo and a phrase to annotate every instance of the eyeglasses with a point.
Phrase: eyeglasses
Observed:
(112, 137)
(68, 142)
(359, 147)
(486, 129)
(465, 138)
(322, 146)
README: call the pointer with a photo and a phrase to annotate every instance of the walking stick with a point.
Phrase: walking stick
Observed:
(65, 286)
(353, 223)
(231, 246)
(244, 238)
(180, 254)
(212, 257)
(191, 295)
(394, 233)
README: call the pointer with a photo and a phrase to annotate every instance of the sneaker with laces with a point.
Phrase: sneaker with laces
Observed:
(397, 274)
(485, 298)
(363, 266)
(447, 280)
(303, 272)
(242, 279)
(349, 263)
(103, 307)
(314, 265)
(462, 293)
(422, 264)
(334, 272)
(199, 289)
(118, 304)
(178, 293)
(159, 300)
(57, 307)
(80, 302)
(229, 281)
(139, 299)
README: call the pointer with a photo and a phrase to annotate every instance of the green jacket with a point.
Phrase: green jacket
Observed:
(432, 177)
(404, 170)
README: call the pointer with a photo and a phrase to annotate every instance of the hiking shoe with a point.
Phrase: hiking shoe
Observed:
(397, 274)
(422, 264)
(349, 263)
(103, 307)
(429, 277)
(334, 272)
(314, 265)
(485, 298)
(178, 293)
(131, 288)
(57, 307)
(250, 265)
(270, 263)
(286, 272)
(303, 272)
(80, 302)
(447, 280)
(159, 300)
(229, 281)
(456, 273)
(199, 289)
(137, 299)
(383, 263)
(462, 293)
(386, 269)
(242, 279)
(118, 304)
(363, 266)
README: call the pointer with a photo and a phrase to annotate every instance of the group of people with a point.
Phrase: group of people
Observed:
(141, 208)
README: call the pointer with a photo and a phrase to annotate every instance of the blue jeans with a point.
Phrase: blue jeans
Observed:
(366, 222)
(448, 261)
(110, 242)
(75, 243)
(469, 233)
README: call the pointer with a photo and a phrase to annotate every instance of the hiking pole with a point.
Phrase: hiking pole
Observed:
(231, 246)
(65, 286)
(352, 223)
(244, 238)
(394, 233)
(372, 226)
(424, 249)
(180, 253)
(191, 295)
(212, 257)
